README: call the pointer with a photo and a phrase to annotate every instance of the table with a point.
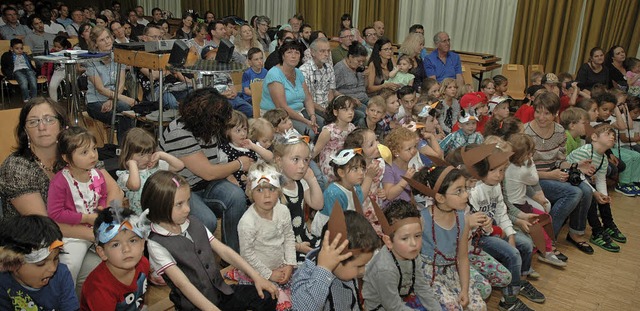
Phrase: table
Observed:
(71, 76)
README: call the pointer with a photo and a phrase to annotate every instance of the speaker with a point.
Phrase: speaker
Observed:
(225, 51)
(179, 53)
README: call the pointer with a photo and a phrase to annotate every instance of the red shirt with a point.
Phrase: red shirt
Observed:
(525, 113)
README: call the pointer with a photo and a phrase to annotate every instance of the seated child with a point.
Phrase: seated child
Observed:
(574, 121)
(389, 121)
(535, 78)
(17, 65)
(430, 91)
(261, 132)
(465, 135)
(401, 74)
(376, 108)
(488, 87)
(395, 279)
(525, 111)
(503, 128)
(328, 278)
(255, 73)
(499, 107)
(31, 276)
(120, 281)
(280, 121)
(476, 103)
(450, 107)
(407, 97)
(631, 137)
(402, 144)
(632, 66)
(501, 84)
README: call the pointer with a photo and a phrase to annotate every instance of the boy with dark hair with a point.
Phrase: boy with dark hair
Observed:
(327, 279)
(17, 65)
(255, 72)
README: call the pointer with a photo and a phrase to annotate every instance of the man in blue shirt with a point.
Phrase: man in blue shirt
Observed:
(442, 63)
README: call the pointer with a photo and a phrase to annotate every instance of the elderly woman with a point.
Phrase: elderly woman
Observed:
(102, 85)
(412, 46)
(593, 72)
(284, 88)
(567, 201)
(614, 60)
(193, 138)
(381, 63)
(262, 25)
(350, 73)
(25, 174)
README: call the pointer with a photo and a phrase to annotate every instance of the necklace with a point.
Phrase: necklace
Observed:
(44, 167)
(539, 128)
(436, 250)
(86, 204)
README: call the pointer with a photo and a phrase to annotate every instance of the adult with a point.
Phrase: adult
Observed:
(106, 12)
(83, 38)
(164, 24)
(140, 13)
(593, 72)
(380, 64)
(186, 27)
(614, 60)
(193, 138)
(443, 63)
(102, 85)
(319, 76)
(156, 15)
(64, 16)
(296, 22)
(370, 38)
(50, 26)
(36, 38)
(346, 23)
(305, 35)
(273, 46)
(231, 30)
(567, 201)
(12, 29)
(78, 18)
(115, 8)
(340, 51)
(118, 32)
(209, 17)
(246, 40)
(262, 25)
(137, 28)
(29, 10)
(349, 73)
(412, 46)
(379, 27)
(199, 40)
(313, 37)
(127, 30)
(274, 59)
(284, 88)
(25, 174)
(101, 21)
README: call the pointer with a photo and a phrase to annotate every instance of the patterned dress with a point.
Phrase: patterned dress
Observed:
(295, 203)
(232, 153)
(335, 143)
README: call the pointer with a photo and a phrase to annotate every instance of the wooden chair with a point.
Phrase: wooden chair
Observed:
(531, 69)
(517, 80)
(466, 75)
(8, 125)
(40, 80)
(256, 97)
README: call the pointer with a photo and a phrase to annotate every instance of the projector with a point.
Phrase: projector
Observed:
(153, 46)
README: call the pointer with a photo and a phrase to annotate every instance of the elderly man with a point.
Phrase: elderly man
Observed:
(78, 18)
(341, 51)
(35, 39)
(442, 62)
(379, 27)
(12, 29)
(319, 76)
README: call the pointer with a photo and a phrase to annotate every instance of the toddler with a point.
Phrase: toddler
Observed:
(400, 74)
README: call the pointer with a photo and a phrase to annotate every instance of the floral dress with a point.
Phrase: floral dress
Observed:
(335, 143)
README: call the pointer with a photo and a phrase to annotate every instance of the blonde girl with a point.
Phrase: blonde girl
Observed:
(261, 132)
(450, 107)
(139, 159)
(402, 142)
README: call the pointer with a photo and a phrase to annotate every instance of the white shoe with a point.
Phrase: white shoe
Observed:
(551, 259)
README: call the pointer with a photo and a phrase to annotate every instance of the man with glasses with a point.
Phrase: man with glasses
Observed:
(370, 38)
(341, 51)
(442, 62)
(319, 77)
(12, 29)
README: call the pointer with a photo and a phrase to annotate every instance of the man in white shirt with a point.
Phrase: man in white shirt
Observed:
(78, 18)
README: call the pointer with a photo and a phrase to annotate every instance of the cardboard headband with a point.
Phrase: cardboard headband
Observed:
(269, 175)
(108, 231)
(292, 136)
(345, 155)
(41, 254)
(428, 190)
(384, 222)
(337, 224)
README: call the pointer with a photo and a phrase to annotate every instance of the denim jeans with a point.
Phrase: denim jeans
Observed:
(27, 81)
(123, 123)
(170, 99)
(517, 260)
(241, 105)
(305, 129)
(568, 201)
(226, 200)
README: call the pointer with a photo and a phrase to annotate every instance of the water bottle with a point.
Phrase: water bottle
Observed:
(46, 47)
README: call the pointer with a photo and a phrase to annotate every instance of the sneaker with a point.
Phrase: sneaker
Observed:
(626, 190)
(615, 234)
(603, 240)
(528, 291)
(533, 274)
(516, 306)
(635, 189)
(552, 259)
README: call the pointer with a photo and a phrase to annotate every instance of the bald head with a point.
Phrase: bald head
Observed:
(379, 27)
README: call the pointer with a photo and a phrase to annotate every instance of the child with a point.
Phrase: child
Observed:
(58, 75)
(349, 167)
(401, 74)
(535, 78)
(525, 111)
(265, 233)
(237, 145)
(521, 174)
(488, 165)
(632, 66)
(376, 108)
(569, 91)
(77, 191)
(402, 143)
(476, 103)
(574, 121)
(389, 121)
(261, 132)
(450, 109)
(499, 107)
(340, 112)
(602, 234)
(428, 144)
(139, 159)
(120, 281)
(194, 277)
(502, 85)
(444, 251)
(255, 73)
(395, 279)
(631, 137)
(292, 156)
(407, 97)
(465, 135)
(17, 65)
(31, 276)
(280, 121)
(488, 87)
(589, 105)
(371, 186)
(430, 90)
(328, 278)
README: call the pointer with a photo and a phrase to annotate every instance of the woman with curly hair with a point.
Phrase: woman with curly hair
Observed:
(194, 138)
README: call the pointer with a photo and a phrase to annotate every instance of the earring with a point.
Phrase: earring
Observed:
(28, 142)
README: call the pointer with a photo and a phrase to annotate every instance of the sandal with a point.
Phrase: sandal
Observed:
(560, 255)
(582, 246)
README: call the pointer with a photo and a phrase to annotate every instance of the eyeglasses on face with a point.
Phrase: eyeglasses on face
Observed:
(46, 120)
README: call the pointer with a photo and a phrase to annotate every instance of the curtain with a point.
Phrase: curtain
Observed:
(386, 11)
(324, 14)
(172, 6)
(545, 32)
(219, 8)
(610, 23)
(473, 26)
(279, 11)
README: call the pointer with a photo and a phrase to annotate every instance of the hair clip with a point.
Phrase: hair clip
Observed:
(429, 170)
(176, 182)
(344, 156)
(40, 254)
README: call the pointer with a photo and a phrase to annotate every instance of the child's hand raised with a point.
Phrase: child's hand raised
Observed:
(330, 253)
(410, 172)
(373, 170)
(155, 157)
(477, 219)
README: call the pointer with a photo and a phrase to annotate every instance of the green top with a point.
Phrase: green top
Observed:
(572, 143)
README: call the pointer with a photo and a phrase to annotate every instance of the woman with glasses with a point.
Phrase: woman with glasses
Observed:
(25, 174)
(262, 25)
(349, 74)
(381, 63)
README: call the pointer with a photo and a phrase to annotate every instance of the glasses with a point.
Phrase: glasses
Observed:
(386, 49)
(370, 34)
(46, 120)
(459, 192)
(347, 36)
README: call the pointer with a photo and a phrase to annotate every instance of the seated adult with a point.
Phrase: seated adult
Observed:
(442, 63)
(118, 32)
(78, 18)
(84, 37)
(350, 74)
(381, 63)
(274, 59)
(12, 28)
(102, 85)
(284, 87)
(593, 72)
(568, 201)
(412, 46)
(340, 51)
(319, 76)
(262, 25)
(25, 174)
(199, 40)
(614, 60)
(36, 38)
(193, 138)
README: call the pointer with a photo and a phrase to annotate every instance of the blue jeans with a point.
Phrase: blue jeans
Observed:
(517, 260)
(241, 105)
(170, 99)
(305, 129)
(224, 199)
(568, 201)
(123, 124)
(27, 81)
